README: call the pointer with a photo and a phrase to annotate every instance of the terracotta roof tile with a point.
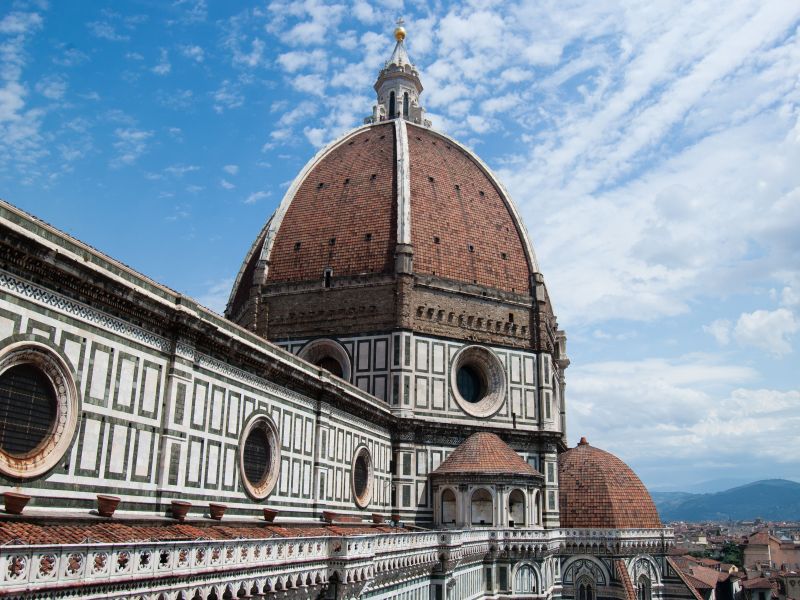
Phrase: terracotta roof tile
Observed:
(348, 194)
(486, 453)
(597, 489)
(453, 200)
(116, 532)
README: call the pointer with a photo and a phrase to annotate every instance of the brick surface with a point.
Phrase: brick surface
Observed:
(597, 489)
(461, 217)
(624, 577)
(350, 204)
(106, 532)
(485, 452)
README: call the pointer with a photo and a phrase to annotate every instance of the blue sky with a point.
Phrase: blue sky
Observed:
(653, 149)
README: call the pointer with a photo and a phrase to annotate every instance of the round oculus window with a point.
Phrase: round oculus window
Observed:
(362, 477)
(477, 380)
(38, 409)
(258, 456)
(28, 409)
(471, 383)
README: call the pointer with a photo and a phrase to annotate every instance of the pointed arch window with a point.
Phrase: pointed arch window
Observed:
(585, 590)
(392, 106)
(405, 104)
(643, 588)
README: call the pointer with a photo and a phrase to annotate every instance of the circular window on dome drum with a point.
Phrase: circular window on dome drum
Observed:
(259, 458)
(362, 477)
(38, 409)
(478, 381)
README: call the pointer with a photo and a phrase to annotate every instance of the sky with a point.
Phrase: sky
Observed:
(653, 149)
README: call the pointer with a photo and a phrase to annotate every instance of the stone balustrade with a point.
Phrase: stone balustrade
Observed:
(283, 563)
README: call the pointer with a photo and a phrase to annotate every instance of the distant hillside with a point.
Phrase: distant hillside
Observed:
(771, 499)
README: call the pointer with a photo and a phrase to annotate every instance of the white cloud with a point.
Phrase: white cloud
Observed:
(195, 53)
(226, 97)
(225, 184)
(768, 330)
(296, 60)
(20, 23)
(309, 84)
(130, 144)
(231, 169)
(215, 296)
(646, 410)
(106, 31)
(181, 170)
(720, 329)
(256, 196)
(52, 87)
(790, 297)
(163, 67)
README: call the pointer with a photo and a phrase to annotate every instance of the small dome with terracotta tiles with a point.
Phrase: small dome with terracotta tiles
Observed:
(598, 490)
(485, 453)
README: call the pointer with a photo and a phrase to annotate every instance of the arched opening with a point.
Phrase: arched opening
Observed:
(405, 104)
(481, 508)
(525, 580)
(448, 507)
(329, 355)
(585, 590)
(332, 591)
(643, 588)
(516, 509)
(392, 106)
(330, 364)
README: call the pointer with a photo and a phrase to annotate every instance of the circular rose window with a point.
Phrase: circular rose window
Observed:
(38, 409)
(361, 477)
(477, 380)
(259, 458)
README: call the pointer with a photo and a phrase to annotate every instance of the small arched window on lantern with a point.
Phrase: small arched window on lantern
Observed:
(392, 106)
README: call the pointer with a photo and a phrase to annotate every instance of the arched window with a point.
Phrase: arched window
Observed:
(481, 508)
(392, 106)
(525, 580)
(643, 588)
(448, 507)
(585, 590)
(405, 104)
(516, 509)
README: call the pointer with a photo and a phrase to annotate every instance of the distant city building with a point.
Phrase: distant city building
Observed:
(380, 414)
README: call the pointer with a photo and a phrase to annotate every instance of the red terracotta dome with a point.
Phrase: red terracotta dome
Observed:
(597, 489)
(387, 185)
(484, 452)
(396, 226)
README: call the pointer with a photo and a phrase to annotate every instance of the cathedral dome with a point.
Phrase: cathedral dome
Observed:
(597, 489)
(396, 226)
(386, 185)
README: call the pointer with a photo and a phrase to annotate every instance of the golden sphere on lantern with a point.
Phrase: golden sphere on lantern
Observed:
(400, 34)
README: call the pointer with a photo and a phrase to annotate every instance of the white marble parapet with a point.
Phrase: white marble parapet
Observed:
(282, 563)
